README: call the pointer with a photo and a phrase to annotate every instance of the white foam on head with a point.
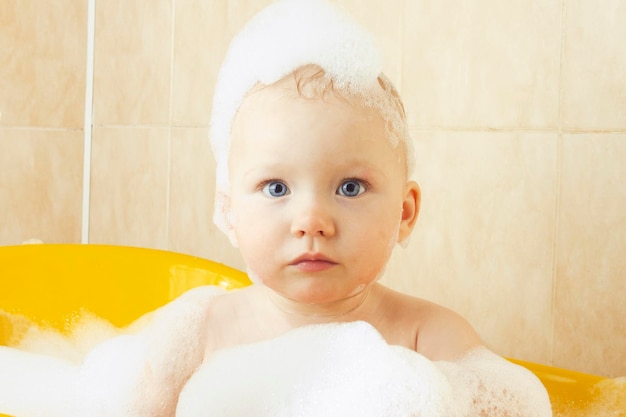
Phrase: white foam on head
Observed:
(349, 370)
(283, 37)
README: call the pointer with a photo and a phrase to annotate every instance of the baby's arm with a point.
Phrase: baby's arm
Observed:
(433, 331)
(445, 335)
(492, 385)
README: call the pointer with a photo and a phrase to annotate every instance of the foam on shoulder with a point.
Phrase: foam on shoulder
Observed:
(329, 370)
(495, 386)
(349, 370)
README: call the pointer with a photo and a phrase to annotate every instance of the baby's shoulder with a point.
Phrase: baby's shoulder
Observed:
(190, 306)
(440, 333)
(231, 321)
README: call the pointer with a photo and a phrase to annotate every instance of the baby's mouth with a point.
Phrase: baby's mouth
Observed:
(313, 263)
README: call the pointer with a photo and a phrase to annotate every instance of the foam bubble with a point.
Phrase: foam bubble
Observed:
(610, 398)
(87, 331)
(606, 398)
(331, 370)
(138, 372)
(349, 370)
(496, 386)
(33, 385)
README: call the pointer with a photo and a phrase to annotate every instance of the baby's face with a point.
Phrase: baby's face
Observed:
(318, 194)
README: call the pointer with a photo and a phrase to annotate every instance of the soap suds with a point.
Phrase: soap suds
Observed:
(349, 370)
(102, 371)
(341, 369)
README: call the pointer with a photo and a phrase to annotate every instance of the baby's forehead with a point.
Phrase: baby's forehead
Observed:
(270, 116)
(277, 109)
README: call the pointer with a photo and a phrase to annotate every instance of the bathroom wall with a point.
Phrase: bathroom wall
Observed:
(517, 109)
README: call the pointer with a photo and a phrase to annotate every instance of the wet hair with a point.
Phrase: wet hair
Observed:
(313, 82)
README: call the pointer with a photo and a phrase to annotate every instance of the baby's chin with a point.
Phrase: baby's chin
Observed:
(317, 293)
(324, 302)
(321, 297)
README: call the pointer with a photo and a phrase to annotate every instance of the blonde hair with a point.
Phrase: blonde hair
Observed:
(313, 82)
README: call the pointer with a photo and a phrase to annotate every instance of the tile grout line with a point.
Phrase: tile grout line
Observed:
(88, 121)
(557, 185)
(170, 125)
(556, 130)
(401, 35)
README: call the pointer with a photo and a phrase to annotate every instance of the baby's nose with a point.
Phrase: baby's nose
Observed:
(313, 220)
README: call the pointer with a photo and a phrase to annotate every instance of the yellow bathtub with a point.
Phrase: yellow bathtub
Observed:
(52, 284)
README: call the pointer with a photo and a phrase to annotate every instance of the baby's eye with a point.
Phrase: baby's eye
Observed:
(351, 188)
(276, 189)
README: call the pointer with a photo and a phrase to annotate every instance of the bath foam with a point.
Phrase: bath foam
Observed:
(132, 372)
(39, 367)
(609, 400)
(33, 385)
(349, 370)
(87, 331)
(151, 366)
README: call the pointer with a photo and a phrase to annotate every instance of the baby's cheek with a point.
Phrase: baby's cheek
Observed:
(257, 256)
(373, 246)
(382, 243)
(383, 233)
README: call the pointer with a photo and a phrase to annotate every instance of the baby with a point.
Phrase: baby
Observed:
(313, 164)
(313, 185)
(319, 196)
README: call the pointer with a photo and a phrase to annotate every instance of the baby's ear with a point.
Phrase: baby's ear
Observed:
(410, 210)
(223, 217)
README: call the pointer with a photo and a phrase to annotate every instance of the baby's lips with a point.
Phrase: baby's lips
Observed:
(313, 262)
(312, 257)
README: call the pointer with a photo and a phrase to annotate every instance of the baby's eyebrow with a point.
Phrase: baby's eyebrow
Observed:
(264, 170)
(351, 167)
(357, 164)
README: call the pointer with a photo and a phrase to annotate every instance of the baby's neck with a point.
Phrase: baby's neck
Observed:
(347, 309)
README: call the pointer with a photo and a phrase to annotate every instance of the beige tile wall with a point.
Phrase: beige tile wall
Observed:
(518, 112)
(42, 98)
(484, 242)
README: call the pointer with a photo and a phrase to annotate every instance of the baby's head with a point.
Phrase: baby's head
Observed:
(322, 53)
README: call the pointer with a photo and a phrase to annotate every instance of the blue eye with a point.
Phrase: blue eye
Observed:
(276, 189)
(351, 188)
